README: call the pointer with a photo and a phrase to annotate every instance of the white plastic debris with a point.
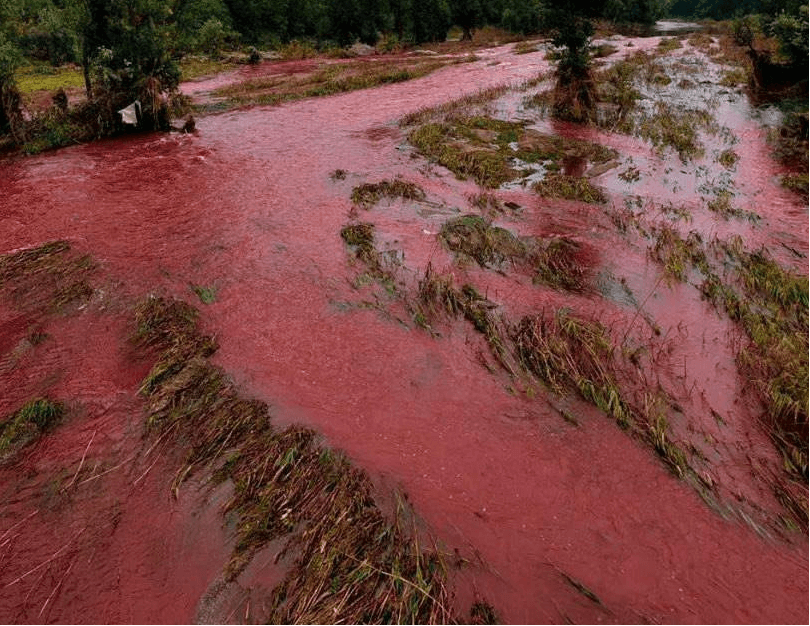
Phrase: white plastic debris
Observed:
(129, 114)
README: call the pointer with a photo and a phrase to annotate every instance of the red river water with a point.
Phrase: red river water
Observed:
(247, 206)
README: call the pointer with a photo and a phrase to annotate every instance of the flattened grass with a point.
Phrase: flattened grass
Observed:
(350, 563)
(51, 277)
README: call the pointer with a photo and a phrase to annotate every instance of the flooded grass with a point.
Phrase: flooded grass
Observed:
(50, 277)
(28, 424)
(556, 185)
(491, 152)
(348, 561)
(797, 183)
(327, 80)
(483, 156)
(369, 194)
(473, 237)
(679, 255)
(569, 353)
(669, 127)
(558, 264)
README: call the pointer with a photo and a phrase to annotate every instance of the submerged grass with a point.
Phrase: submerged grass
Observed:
(770, 304)
(50, 277)
(27, 424)
(349, 562)
(678, 255)
(669, 127)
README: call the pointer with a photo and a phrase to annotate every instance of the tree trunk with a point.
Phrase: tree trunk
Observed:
(467, 34)
(86, 69)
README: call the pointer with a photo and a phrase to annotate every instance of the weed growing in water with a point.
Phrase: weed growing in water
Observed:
(207, 295)
(27, 424)
(369, 194)
(677, 255)
(286, 486)
(48, 277)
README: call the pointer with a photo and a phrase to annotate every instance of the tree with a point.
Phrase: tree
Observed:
(125, 55)
(468, 14)
(570, 20)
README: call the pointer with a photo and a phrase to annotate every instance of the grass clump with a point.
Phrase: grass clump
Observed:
(559, 264)
(27, 424)
(668, 44)
(348, 562)
(50, 277)
(556, 185)
(569, 353)
(798, 183)
(370, 194)
(722, 206)
(469, 154)
(207, 295)
(438, 296)
(476, 238)
(679, 130)
(728, 158)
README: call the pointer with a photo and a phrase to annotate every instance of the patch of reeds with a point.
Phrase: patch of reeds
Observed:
(369, 194)
(474, 237)
(50, 277)
(28, 424)
(557, 185)
(348, 561)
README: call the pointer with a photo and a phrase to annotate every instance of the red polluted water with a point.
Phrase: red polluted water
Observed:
(247, 207)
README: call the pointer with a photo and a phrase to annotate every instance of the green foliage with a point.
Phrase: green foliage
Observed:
(792, 32)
